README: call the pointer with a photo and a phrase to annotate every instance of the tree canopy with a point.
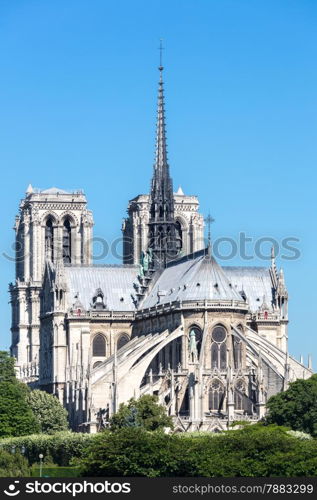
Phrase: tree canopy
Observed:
(16, 417)
(49, 412)
(296, 407)
(144, 412)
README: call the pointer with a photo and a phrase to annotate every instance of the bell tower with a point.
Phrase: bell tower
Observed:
(52, 224)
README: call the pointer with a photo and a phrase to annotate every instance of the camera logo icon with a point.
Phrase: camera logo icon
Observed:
(13, 492)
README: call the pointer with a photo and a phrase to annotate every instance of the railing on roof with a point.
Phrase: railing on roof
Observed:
(267, 316)
(62, 191)
(81, 314)
(194, 304)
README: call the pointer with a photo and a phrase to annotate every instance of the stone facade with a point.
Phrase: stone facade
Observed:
(40, 211)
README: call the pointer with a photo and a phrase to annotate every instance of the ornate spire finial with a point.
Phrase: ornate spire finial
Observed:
(161, 48)
(209, 220)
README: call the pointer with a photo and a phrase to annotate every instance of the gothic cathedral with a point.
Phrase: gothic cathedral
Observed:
(209, 341)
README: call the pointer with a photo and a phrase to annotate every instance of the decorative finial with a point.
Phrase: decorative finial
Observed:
(29, 189)
(209, 220)
(161, 48)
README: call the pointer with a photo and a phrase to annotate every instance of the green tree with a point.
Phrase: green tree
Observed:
(7, 373)
(132, 451)
(144, 412)
(16, 417)
(296, 407)
(50, 414)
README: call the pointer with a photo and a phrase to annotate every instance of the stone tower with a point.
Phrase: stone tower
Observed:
(166, 222)
(52, 224)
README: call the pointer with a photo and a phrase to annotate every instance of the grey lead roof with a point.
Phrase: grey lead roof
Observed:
(116, 282)
(191, 278)
(196, 278)
(255, 282)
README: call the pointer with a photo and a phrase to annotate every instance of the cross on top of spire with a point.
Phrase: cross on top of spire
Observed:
(161, 165)
(209, 220)
(161, 48)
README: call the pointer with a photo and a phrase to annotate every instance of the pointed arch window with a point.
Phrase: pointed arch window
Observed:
(67, 242)
(49, 239)
(99, 345)
(179, 236)
(123, 340)
(239, 396)
(216, 396)
(178, 351)
(219, 348)
(237, 352)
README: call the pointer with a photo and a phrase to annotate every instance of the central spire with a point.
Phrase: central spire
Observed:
(161, 178)
(162, 220)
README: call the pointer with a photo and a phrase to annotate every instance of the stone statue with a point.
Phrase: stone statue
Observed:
(146, 259)
(192, 346)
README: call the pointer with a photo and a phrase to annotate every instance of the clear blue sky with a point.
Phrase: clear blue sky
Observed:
(78, 97)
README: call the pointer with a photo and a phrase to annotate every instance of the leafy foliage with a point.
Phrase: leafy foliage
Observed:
(16, 417)
(296, 407)
(256, 450)
(133, 452)
(144, 412)
(50, 414)
(7, 373)
(60, 448)
(13, 465)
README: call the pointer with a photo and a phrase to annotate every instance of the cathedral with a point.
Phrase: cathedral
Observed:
(211, 342)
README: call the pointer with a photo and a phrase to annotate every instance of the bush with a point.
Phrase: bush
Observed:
(133, 452)
(59, 448)
(256, 451)
(13, 465)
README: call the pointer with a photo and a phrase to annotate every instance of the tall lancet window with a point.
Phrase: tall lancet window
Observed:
(49, 240)
(67, 242)
(99, 345)
(237, 353)
(216, 396)
(179, 236)
(219, 348)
